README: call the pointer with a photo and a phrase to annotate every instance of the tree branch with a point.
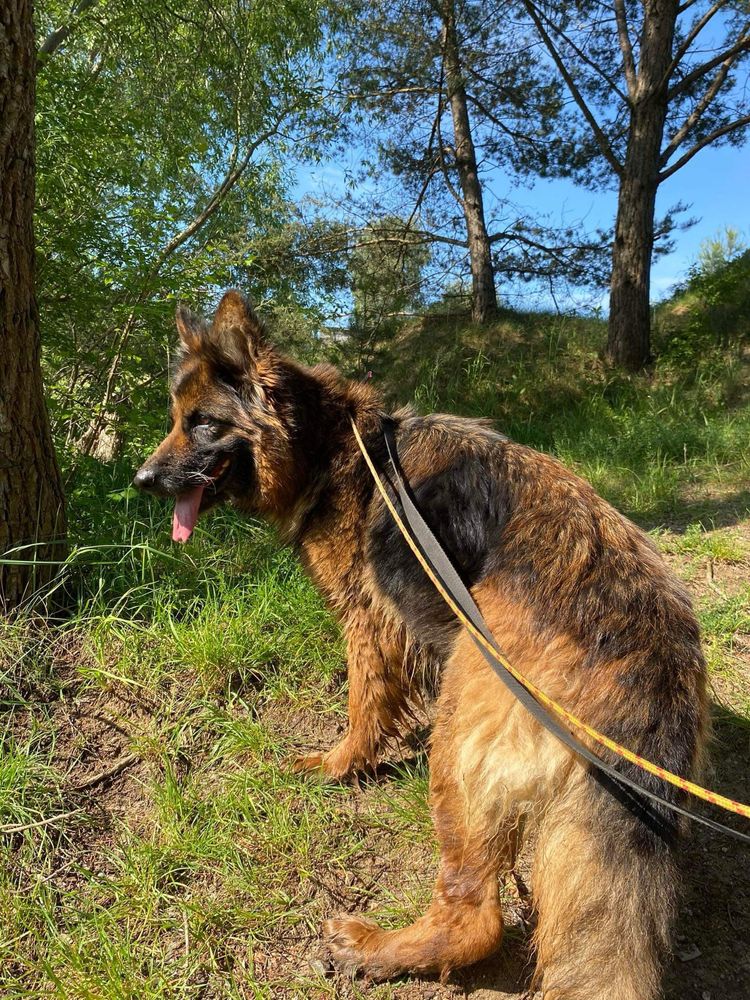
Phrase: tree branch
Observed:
(55, 38)
(705, 141)
(695, 115)
(235, 170)
(437, 131)
(589, 62)
(626, 48)
(399, 237)
(599, 135)
(375, 95)
(444, 166)
(691, 36)
(740, 46)
(517, 135)
(513, 236)
(434, 131)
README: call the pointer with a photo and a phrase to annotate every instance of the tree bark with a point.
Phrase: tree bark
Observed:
(629, 339)
(483, 292)
(32, 506)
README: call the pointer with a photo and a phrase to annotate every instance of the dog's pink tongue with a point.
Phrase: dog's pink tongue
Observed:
(186, 514)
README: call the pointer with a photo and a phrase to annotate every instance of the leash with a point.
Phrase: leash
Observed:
(440, 570)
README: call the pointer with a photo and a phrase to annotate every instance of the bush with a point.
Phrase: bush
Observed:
(712, 309)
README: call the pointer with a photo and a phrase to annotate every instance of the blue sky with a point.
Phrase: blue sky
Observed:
(715, 185)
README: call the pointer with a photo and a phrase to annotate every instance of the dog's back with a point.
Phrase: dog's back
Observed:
(533, 534)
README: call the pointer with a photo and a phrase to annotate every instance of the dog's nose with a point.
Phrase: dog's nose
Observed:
(145, 478)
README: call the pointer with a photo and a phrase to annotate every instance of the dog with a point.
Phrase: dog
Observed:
(576, 596)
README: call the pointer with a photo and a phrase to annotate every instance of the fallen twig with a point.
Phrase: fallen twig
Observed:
(110, 772)
(20, 827)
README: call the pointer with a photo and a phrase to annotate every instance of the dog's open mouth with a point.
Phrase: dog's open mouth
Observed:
(189, 504)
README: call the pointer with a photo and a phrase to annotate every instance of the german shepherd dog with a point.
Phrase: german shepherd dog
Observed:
(576, 596)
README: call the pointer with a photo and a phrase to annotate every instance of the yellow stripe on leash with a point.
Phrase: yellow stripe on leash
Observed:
(646, 765)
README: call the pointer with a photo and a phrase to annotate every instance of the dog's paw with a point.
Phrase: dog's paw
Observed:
(324, 767)
(310, 763)
(351, 942)
(341, 763)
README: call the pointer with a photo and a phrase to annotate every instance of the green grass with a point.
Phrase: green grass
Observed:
(205, 868)
(665, 446)
(206, 659)
(724, 620)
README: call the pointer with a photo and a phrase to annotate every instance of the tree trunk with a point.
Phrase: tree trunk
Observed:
(629, 341)
(103, 439)
(483, 293)
(32, 508)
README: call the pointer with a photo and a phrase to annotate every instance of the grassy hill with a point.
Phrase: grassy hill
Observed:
(155, 842)
(666, 447)
(711, 308)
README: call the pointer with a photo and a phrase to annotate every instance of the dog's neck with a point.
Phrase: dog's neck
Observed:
(335, 472)
(326, 521)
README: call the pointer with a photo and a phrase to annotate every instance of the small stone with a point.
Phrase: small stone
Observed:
(705, 995)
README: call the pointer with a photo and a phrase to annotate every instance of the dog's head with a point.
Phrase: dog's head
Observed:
(221, 417)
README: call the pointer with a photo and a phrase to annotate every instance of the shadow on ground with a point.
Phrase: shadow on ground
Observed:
(712, 948)
(724, 512)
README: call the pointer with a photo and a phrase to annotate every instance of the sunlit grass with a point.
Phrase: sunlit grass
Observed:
(724, 621)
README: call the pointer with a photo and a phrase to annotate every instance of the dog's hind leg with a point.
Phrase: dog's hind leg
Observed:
(605, 895)
(475, 814)
(378, 698)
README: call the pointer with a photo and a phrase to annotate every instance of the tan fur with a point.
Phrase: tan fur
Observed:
(590, 906)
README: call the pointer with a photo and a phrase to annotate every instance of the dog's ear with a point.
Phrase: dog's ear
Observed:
(191, 328)
(236, 336)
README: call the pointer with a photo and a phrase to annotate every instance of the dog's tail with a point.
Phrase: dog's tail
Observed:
(605, 897)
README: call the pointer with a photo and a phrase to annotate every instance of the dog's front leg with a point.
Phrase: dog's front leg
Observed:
(378, 700)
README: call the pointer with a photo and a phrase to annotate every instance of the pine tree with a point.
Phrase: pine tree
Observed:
(654, 83)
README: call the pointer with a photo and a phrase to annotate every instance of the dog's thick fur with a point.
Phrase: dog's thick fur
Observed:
(576, 596)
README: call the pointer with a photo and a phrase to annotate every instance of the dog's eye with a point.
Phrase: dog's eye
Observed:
(204, 431)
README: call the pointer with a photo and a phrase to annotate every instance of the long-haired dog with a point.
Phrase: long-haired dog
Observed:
(576, 596)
